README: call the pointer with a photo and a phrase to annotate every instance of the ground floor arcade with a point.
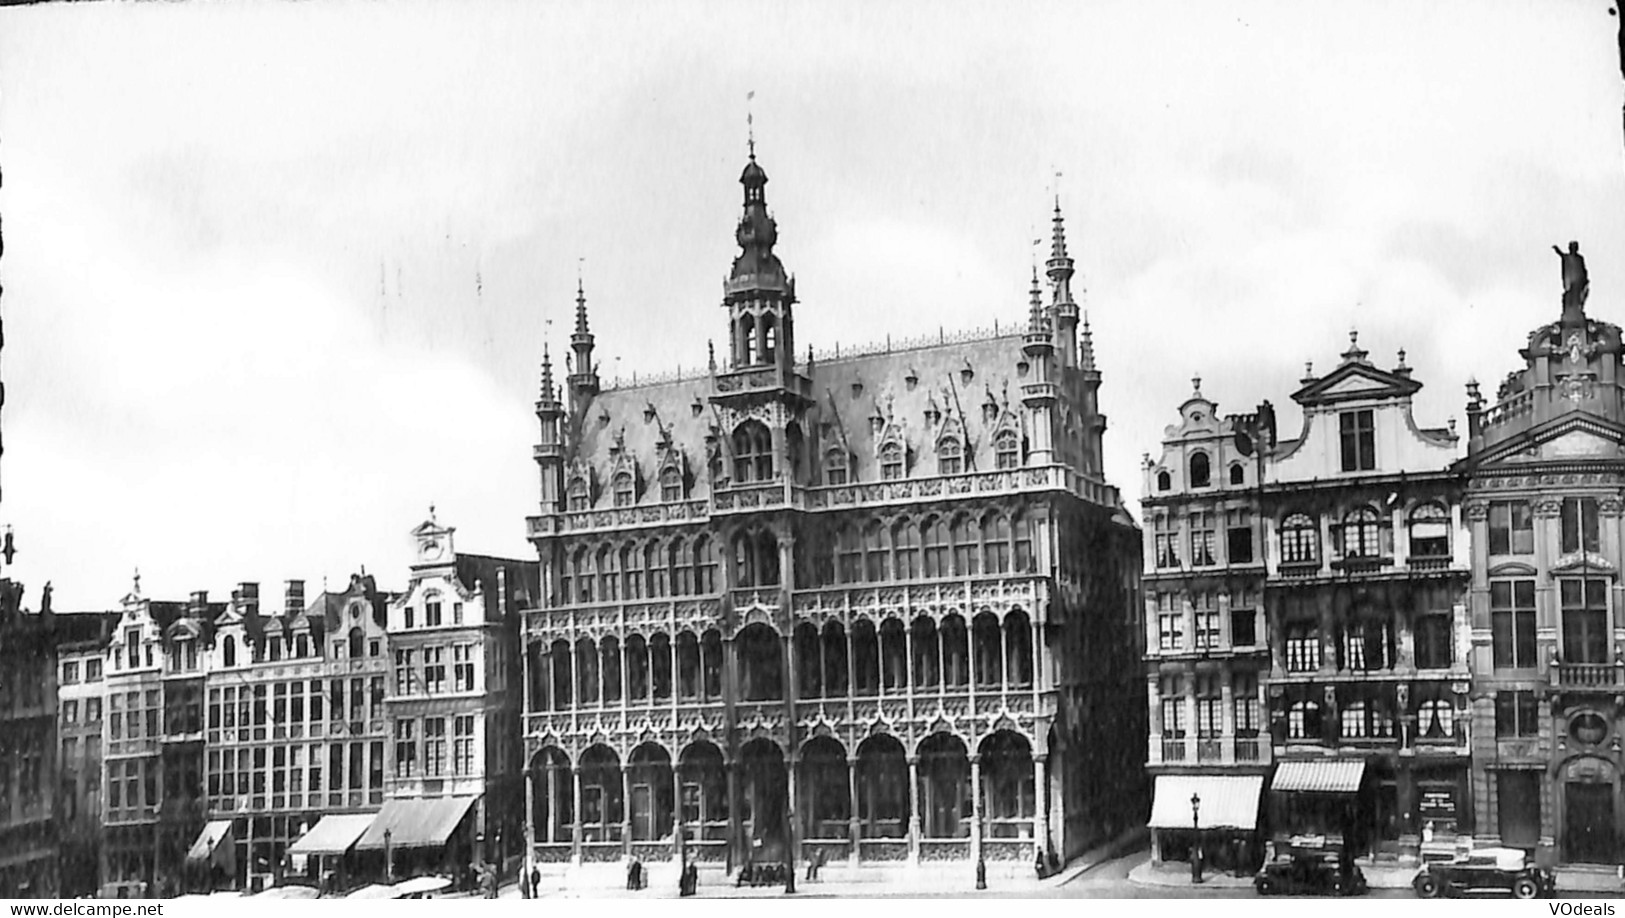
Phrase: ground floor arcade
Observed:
(884, 801)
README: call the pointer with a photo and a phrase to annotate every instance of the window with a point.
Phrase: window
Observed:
(1209, 706)
(70, 672)
(1580, 525)
(1368, 644)
(1238, 535)
(1207, 620)
(1437, 718)
(1516, 714)
(434, 746)
(1512, 623)
(93, 710)
(1006, 451)
(463, 745)
(1238, 474)
(434, 670)
(1173, 707)
(753, 453)
(432, 613)
(405, 674)
(406, 750)
(1430, 532)
(950, 457)
(132, 646)
(1244, 696)
(1170, 622)
(408, 622)
(1360, 533)
(891, 461)
(1302, 647)
(967, 550)
(1585, 620)
(624, 495)
(1300, 542)
(1512, 528)
(905, 538)
(462, 656)
(1243, 618)
(1201, 471)
(835, 466)
(1303, 721)
(93, 670)
(70, 712)
(1358, 440)
(576, 496)
(671, 484)
(1434, 648)
(936, 547)
(1203, 538)
(705, 566)
(1166, 540)
(1354, 720)
(456, 615)
(1165, 481)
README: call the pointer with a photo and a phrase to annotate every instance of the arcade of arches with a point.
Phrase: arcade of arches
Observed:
(879, 801)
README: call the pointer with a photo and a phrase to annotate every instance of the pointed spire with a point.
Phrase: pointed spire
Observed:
(1035, 305)
(581, 308)
(1086, 349)
(547, 374)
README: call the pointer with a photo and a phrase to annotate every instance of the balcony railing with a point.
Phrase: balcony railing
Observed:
(1209, 750)
(1247, 749)
(1173, 750)
(1588, 675)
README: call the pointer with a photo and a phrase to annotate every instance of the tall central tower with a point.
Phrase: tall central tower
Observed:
(759, 293)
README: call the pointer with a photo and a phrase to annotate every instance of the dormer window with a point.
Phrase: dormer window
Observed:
(1201, 471)
(576, 497)
(1238, 474)
(1165, 481)
(671, 485)
(950, 458)
(1359, 440)
(1006, 451)
(891, 461)
(835, 466)
(624, 493)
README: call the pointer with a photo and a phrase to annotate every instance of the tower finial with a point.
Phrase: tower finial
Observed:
(750, 125)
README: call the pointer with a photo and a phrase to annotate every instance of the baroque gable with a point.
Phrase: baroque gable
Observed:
(1577, 436)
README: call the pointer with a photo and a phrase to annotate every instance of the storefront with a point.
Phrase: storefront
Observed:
(1217, 814)
(1317, 805)
(322, 856)
(420, 836)
(211, 862)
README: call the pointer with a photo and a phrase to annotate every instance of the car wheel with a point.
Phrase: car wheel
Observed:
(1525, 888)
(1426, 886)
(1265, 886)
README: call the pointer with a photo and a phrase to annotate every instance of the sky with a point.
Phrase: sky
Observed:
(277, 275)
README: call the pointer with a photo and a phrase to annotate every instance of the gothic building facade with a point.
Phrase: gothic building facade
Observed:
(880, 605)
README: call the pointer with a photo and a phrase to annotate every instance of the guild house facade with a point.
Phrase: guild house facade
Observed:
(879, 605)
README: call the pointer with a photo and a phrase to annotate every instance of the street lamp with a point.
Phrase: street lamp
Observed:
(1196, 844)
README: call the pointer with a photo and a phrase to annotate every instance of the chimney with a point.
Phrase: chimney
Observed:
(249, 594)
(502, 592)
(199, 607)
(295, 601)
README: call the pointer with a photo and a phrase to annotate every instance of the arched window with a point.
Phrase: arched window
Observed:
(1165, 481)
(967, 546)
(1238, 474)
(1201, 472)
(671, 484)
(682, 568)
(848, 555)
(905, 550)
(746, 348)
(1300, 542)
(891, 461)
(609, 575)
(874, 551)
(632, 569)
(995, 544)
(936, 547)
(228, 650)
(1007, 450)
(1022, 526)
(1360, 533)
(581, 568)
(576, 495)
(705, 566)
(357, 643)
(1303, 720)
(624, 493)
(1437, 718)
(654, 569)
(770, 339)
(753, 453)
(1430, 531)
(835, 466)
(950, 456)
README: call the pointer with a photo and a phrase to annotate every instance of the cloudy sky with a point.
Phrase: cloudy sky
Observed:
(277, 275)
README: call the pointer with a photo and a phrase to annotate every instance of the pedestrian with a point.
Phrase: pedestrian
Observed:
(631, 876)
(536, 881)
(818, 864)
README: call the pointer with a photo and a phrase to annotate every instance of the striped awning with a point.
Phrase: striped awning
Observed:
(1227, 801)
(414, 823)
(1320, 776)
(209, 841)
(334, 834)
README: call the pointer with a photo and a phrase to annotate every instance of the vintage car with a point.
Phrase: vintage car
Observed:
(1315, 875)
(1485, 870)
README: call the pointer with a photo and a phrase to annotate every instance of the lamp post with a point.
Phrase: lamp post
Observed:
(1196, 843)
(389, 856)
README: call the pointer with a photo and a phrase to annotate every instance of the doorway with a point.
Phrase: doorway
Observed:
(1588, 823)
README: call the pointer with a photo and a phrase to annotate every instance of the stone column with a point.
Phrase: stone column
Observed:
(626, 808)
(1040, 818)
(575, 830)
(852, 789)
(530, 815)
(1227, 717)
(913, 809)
(975, 807)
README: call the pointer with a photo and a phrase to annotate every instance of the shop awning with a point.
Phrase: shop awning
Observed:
(209, 841)
(415, 823)
(1321, 776)
(333, 834)
(1228, 801)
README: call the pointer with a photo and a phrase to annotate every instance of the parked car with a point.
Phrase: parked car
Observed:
(1314, 875)
(1485, 870)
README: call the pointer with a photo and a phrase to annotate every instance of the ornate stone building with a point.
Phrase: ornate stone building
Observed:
(1545, 472)
(28, 747)
(878, 604)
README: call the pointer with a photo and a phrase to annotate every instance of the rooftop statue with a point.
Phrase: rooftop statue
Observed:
(1575, 280)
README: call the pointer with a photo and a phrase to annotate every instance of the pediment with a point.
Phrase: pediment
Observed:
(1513, 569)
(1576, 436)
(1579, 444)
(1582, 562)
(1356, 381)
